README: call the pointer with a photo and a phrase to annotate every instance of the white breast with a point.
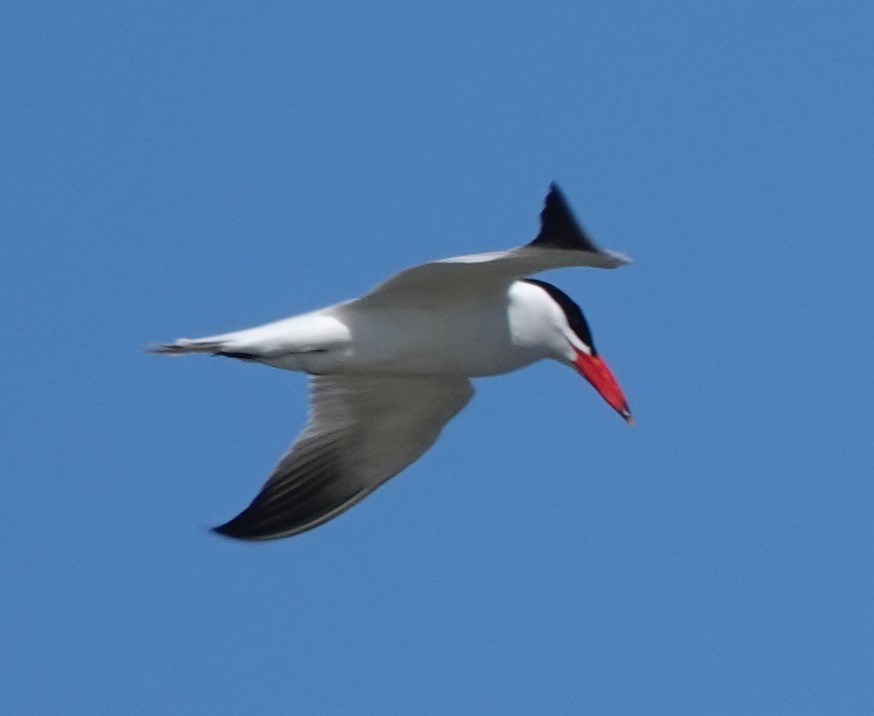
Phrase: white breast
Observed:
(478, 338)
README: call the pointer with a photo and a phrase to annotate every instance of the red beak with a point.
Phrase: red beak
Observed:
(594, 370)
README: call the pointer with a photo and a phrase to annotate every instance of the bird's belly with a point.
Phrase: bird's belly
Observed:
(407, 342)
(434, 359)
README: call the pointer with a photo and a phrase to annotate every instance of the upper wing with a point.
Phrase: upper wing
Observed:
(561, 242)
(361, 432)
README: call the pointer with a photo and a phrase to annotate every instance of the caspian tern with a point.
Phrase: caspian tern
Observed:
(390, 369)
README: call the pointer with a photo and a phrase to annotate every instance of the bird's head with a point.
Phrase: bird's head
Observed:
(572, 344)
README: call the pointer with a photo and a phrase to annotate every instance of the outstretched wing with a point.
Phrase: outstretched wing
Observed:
(361, 432)
(561, 242)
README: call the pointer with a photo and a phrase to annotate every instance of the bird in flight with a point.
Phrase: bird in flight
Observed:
(389, 369)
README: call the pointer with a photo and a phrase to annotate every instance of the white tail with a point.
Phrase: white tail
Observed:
(188, 345)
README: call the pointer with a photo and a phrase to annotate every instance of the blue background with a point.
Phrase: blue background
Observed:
(184, 168)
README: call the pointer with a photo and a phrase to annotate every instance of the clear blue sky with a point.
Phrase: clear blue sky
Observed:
(182, 168)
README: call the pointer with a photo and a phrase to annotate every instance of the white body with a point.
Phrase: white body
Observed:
(464, 338)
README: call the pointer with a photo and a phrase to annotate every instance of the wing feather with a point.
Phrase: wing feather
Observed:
(361, 432)
(561, 243)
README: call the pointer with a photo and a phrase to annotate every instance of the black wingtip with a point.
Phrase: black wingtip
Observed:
(242, 527)
(227, 530)
(559, 227)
